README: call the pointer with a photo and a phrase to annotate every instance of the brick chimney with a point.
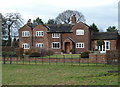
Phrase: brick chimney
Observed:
(73, 19)
(29, 22)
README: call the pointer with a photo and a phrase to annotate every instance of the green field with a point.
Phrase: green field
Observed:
(58, 75)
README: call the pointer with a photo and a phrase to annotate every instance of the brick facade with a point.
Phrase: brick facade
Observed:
(67, 40)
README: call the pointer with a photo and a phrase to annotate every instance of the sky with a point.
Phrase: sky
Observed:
(103, 13)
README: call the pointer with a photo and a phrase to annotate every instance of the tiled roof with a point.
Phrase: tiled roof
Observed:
(104, 35)
(59, 28)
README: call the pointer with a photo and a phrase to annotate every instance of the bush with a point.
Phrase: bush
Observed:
(44, 52)
(8, 54)
(35, 54)
(85, 54)
(19, 51)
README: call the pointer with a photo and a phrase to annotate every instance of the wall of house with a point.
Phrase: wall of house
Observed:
(40, 39)
(82, 38)
(47, 38)
(77, 38)
(118, 43)
(25, 39)
(113, 44)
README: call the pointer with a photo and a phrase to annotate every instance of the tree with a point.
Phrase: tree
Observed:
(94, 28)
(100, 43)
(11, 23)
(51, 21)
(15, 43)
(112, 29)
(38, 21)
(65, 17)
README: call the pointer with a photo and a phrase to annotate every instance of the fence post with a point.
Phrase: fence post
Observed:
(10, 59)
(17, 59)
(56, 59)
(42, 60)
(64, 59)
(4, 59)
(49, 59)
(79, 60)
(35, 61)
(88, 61)
(23, 60)
(29, 59)
(96, 59)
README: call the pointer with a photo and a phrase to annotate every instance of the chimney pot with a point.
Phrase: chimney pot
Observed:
(73, 19)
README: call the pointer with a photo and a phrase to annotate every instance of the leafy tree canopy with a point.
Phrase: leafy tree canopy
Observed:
(94, 28)
(112, 29)
(38, 21)
(51, 21)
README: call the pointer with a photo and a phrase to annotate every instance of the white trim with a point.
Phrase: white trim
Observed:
(39, 45)
(106, 45)
(25, 33)
(80, 32)
(39, 33)
(58, 47)
(25, 46)
(80, 45)
(55, 35)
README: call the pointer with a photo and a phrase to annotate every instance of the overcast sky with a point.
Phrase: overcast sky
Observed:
(103, 13)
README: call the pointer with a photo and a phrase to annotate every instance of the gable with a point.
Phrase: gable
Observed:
(25, 27)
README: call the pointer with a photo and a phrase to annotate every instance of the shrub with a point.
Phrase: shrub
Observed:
(44, 52)
(85, 54)
(19, 51)
(50, 52)
(8, 54)
(35, 54)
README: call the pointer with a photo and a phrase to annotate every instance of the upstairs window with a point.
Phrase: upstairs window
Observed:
(79, 45)
(40, 45)
(56, 45)
(39, 33)
(56, 35)
(79, 32)
(25, 33)
(25, 46)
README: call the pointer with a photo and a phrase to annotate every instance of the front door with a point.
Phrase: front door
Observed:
(67, 47)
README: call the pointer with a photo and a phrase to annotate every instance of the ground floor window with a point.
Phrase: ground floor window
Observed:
(40, 45)
(25, 46)
(55, 45)
(79, 45)
(104, 47)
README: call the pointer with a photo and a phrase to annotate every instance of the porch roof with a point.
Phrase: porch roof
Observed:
(105, 36)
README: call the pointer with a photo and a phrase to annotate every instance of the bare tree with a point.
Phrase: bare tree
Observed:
(65, 17)
(11, 23)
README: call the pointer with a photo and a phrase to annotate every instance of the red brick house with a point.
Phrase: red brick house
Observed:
(75, 38)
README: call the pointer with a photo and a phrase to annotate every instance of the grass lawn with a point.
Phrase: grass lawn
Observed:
(63, 56)
(58, 75)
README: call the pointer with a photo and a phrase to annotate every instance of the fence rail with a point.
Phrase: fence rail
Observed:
(62, 60)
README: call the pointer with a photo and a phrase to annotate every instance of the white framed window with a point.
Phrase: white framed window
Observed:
(40, 45)
(79, 32)
(80, 45)
(56, 45)
(55, 35)
(25, 33)
(39, 33)
(107, 44)
(25, 46)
